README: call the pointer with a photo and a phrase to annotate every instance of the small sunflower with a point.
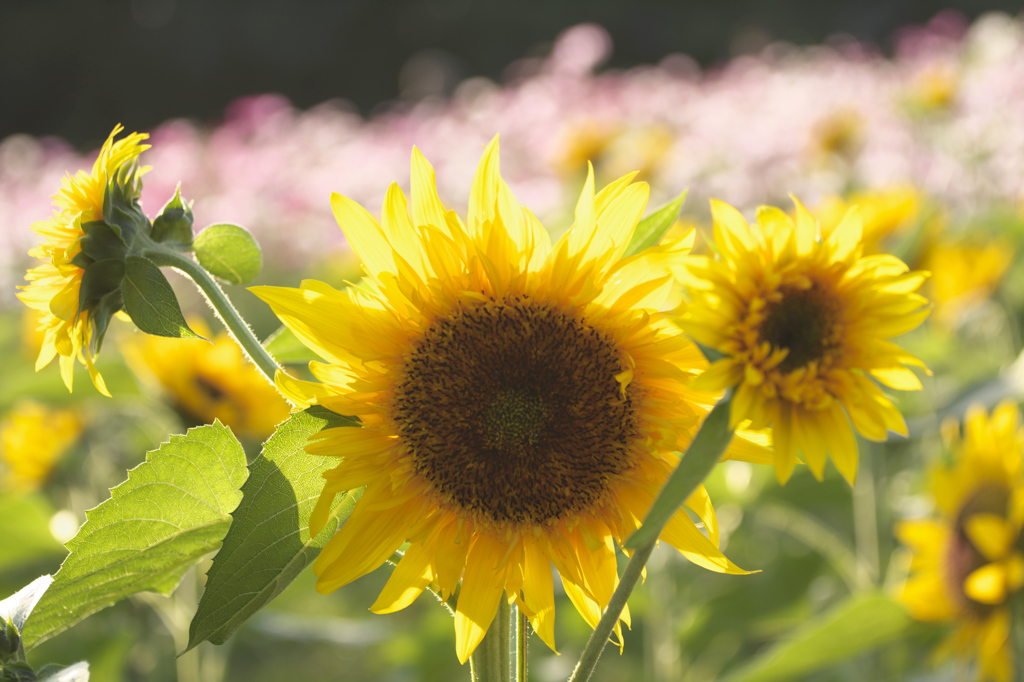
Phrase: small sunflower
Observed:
(32, 439)
(967, 562)
(67, 318)
(520, 401)
(208, 381)
(803, 324)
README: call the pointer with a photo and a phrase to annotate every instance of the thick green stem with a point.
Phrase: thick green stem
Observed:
(605, 626)
(700, 458)
(522, 640)
(250, 345)
(491, 662)
(1017, 633)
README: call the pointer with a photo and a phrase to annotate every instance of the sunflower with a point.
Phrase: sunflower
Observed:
(520, 401)
(54, 289)
(32, 439)
(967, 563)
(208, 381)
(803, 324)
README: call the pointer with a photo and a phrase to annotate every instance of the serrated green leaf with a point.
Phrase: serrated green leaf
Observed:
(173, 510)
(269, 543)
(651, 229)
(286, 347)
(229, 252)
(700, 458)
(150, 301)
(861, 623)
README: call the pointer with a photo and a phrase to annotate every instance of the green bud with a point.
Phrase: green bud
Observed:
(174, 223)
(10, 642)
(18, 672)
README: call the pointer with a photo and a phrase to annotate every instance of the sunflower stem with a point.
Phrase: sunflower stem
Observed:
(491, 662)
(704, 452)
(522, 640)
(1017, 633)
(227, 313)
(599, 638)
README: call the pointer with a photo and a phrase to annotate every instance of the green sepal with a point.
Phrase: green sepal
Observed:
(174, 222)
(98, 280)
(150, 301)
(101, 242)
(10, 642)
(711, 354)
(229, 252)
(121, 210)
(18, 671)
(651, 229)
(108, 307)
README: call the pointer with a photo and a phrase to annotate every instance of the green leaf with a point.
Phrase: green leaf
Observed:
(269, 542)
(150, 301)
(229, 252)
(700, 458)
(286, 347)
(78, 672)
(173, 510)
(861, 623)
(652, 228)
(19, 605)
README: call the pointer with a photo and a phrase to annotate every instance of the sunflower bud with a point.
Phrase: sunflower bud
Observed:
(174, 223)
(10, 642)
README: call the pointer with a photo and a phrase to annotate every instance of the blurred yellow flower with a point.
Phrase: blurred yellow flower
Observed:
(581, 142)
(966, 272)
(32, 439)
(55, 286)
(521, 401)
(803, 324)
(966, 563)
(883, 212)
(933, 88)
(838, 134)
(208, 381)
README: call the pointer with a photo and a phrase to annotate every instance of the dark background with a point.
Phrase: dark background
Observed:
(71, 67)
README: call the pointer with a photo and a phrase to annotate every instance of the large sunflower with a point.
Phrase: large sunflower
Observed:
(54, 287)
(803, 324)
(967, 562)
(520, 401)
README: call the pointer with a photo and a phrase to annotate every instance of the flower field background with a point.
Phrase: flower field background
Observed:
(928, 142)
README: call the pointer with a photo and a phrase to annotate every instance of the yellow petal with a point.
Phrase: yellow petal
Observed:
(987, 584)
(482, 585)
(364, 235)
(426, 206)
(538, 591)
(991, 534)
(410, 577)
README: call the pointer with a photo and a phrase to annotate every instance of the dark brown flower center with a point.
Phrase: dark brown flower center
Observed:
(962, 557)
(802, 322)
(511, 409)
